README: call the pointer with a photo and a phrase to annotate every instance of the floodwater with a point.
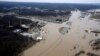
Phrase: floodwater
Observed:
(68, 44)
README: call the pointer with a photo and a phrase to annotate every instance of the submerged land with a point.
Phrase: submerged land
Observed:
(72, 30)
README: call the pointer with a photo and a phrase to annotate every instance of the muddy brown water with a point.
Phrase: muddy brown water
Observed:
(77, 39)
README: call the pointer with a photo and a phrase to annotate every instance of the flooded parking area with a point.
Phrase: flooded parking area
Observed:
(76, 37)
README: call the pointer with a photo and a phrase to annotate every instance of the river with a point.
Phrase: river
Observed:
(68, 44)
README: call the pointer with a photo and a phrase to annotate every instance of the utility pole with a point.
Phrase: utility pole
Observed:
(9, 24)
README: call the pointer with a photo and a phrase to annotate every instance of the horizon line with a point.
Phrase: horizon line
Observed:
(49, 2)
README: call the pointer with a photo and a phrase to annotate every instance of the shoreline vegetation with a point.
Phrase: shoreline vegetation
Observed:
(12, 44)
(12, 40)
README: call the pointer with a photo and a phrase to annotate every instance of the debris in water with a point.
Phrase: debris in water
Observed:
(92, 54)
(86, 31)
(76, 46)
(95, 44)
(63, 30)
(79, 53)
(96, 31)
(96, 34)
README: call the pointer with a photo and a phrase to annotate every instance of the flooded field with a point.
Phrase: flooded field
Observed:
(76, 37)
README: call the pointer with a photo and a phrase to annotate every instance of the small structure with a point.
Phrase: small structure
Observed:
(35, 36)
(26, 34)
(17, 30)
(25, 26)
(58, 20)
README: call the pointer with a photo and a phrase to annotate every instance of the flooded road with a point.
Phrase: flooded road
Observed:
(76, 39)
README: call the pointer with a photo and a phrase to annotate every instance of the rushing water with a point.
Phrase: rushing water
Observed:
(68, 44)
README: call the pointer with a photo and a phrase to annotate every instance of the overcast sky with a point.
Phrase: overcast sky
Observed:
(57, 1)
